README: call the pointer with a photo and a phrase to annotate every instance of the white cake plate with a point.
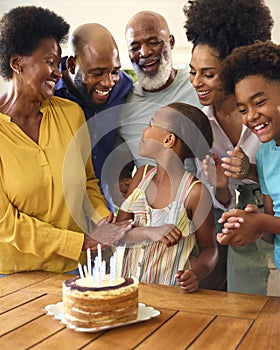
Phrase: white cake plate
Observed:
(144, 313)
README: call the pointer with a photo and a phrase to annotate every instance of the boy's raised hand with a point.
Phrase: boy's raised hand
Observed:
(240, 226)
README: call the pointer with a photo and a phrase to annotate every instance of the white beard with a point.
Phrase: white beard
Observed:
(155, 82)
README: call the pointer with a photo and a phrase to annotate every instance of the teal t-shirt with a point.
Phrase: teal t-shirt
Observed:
(268, 165)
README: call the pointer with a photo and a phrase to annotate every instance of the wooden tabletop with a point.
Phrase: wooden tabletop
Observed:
(204, 320)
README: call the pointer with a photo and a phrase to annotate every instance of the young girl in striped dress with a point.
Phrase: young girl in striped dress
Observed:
(173, 241)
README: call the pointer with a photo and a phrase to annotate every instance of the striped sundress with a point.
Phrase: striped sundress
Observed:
(153, 262)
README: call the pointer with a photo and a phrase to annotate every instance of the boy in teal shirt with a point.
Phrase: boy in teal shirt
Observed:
(253, 74)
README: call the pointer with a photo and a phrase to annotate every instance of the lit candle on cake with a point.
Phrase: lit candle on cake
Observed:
(80, 270)
(94, 276)
(99, 255)
(99, 267)
(86, 271)
(118, 264)
(113, 267)
(95, 271)
(89, 262)
(103, 270)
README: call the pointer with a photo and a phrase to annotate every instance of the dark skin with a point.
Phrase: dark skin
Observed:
(107, 234)
(33, 81)
(236, 223)
(204, 75)
(258, 101)
(146, 35)
(96, 59)
(169, 235)
(188, 280)
(162, 191)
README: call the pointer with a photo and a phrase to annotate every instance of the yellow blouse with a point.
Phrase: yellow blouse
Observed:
(46, 191)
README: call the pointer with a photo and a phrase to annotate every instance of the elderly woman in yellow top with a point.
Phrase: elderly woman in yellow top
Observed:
(48, 190)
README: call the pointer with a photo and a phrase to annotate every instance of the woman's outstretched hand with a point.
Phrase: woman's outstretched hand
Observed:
(107, 232)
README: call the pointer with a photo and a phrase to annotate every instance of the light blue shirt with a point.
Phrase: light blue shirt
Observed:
(268, 165)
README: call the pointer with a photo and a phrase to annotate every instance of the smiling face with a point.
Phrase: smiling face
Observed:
(39, 72)
(97, 71)
(204, 74)
(149, 46)
(258, 101)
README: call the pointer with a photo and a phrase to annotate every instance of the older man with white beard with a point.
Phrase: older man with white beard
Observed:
(159, 83)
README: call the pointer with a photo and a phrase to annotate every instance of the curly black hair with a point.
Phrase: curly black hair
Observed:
(260, 58)
(21, 30)
(226, 24)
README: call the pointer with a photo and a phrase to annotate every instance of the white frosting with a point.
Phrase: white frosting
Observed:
(90, 282)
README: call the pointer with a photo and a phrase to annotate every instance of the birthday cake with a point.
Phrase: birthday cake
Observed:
(95, 299)
(89, 306)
